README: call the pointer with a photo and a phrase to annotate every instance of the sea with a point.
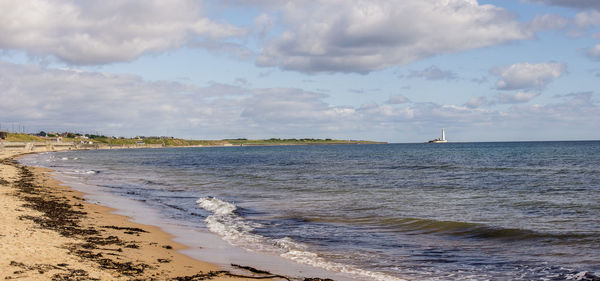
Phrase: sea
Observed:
(452, 211)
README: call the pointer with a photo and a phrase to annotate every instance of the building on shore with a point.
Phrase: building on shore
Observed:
(54, 139)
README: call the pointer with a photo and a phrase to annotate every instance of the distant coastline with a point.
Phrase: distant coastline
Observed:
(69, 141)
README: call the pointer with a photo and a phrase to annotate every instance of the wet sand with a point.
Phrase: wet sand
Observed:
(49, 232)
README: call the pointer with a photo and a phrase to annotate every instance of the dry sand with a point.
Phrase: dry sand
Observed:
(49, 232)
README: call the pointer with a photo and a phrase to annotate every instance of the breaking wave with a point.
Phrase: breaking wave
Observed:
(237, 231)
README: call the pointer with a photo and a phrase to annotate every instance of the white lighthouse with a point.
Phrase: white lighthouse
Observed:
(440, 140)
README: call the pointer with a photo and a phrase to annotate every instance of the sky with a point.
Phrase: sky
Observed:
(385, 70)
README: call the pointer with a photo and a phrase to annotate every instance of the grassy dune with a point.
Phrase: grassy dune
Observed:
(23, 138)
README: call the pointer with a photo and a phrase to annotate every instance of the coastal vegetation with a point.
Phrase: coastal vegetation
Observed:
(278, 141)
(24, 138)
(68, 137)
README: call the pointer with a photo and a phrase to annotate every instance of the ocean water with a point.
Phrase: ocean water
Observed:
(456, 211)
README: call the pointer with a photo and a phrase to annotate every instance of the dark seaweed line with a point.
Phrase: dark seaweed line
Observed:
(61, 216)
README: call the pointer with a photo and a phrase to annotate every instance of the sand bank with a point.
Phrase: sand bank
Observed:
(49, 232)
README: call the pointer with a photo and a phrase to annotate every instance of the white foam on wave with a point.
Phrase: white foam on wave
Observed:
(82, 172)
(216, 206)
(231, 227)
(237, 231)
(67, 158)
(312, 259)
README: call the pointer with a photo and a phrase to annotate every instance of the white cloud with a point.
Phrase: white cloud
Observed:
(434, 73)
(233, 50)
(520, 97)
(477, 102)
(292, 106)
(397, 99)
(362, 36)
(254, 2)
(263, 24)
(97, 32)
(594, 52)
(587, 18)
(126, 105)
(579, 4)
(575, 110)
(97, 101)
(548, 22)
(501, 98)
(527, 75)
(582, 22)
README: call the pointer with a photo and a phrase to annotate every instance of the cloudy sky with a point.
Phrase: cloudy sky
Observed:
(388, 70)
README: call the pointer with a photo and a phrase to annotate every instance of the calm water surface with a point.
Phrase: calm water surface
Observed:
(457, 211)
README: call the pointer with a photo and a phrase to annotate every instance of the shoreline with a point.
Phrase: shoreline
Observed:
(50, 231)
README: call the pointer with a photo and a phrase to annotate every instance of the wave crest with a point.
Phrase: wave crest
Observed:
(216, 206)
(237, 231)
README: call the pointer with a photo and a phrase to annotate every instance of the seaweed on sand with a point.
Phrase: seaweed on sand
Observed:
(60, 213)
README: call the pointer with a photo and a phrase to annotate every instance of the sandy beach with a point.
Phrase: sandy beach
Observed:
(49, 232)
